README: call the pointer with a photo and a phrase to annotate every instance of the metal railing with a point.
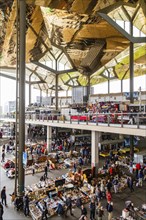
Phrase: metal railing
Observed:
(98, 118)
(109, 119)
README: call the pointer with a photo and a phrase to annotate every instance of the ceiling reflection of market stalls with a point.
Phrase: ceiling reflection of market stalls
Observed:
(76, 40)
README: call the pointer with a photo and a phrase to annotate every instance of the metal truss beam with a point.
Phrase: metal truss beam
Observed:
(121, 30)
(14, 78)
(37, 35)
(34, 72)
(6, 76)
(37, 82)
(66, 54)
(48, 49)
(53, 88)
(125, 73)
(4, 68)
(52, 70)
(112, 7)
(72, 79)
(107, 77)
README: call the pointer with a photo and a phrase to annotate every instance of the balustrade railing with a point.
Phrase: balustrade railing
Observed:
(108, 119)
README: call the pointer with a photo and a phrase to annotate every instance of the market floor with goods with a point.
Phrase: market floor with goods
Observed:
(138, 197)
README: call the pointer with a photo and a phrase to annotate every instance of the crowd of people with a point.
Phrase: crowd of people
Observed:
(102, 189)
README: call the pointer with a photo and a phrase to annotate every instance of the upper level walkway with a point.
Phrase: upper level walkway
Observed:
(120, 127)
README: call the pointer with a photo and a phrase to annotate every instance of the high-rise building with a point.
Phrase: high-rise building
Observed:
(43, 100)
(10, 106)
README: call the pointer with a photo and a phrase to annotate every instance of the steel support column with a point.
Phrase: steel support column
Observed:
(56, 91)
(29, 90)
(56, 85)
(88, 89)
(17, 97)
(131, 147)
(131, 73)
(40, 96)
(21, 178)
(131, 65)
(108, 86)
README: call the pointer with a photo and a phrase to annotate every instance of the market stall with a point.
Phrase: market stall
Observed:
(131, 213)
(52, 192)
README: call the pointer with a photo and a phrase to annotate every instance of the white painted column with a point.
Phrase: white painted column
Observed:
(95, 140)
(26, 128)
(49, 138)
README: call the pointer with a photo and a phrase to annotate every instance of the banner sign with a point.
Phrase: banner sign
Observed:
(24, 159)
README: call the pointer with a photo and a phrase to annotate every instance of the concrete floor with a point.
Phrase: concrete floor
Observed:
(138, 197)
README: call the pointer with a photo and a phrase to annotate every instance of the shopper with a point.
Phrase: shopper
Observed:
(131, 117)
(1, 211)
(83, 213)
(4, 147)
(110, 210)
(138, 167)
(109, 185)
(18, 203)
(115, 183)
(8, 148)
(100, 213)
(3, 196)
(102, 188)
(59, 209)
(46, 171)
(26, 205)
(3, 156)
(12, 197)
(131, 169)
(74, 167)
(92, 208)
(140, 178)
(45, 212)
(69, 205)
(33, 170)
(48, 165)
(144, 174)
(98, 194)
(130, 183)
(108, 196)
(80, 161)
(79, 202)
